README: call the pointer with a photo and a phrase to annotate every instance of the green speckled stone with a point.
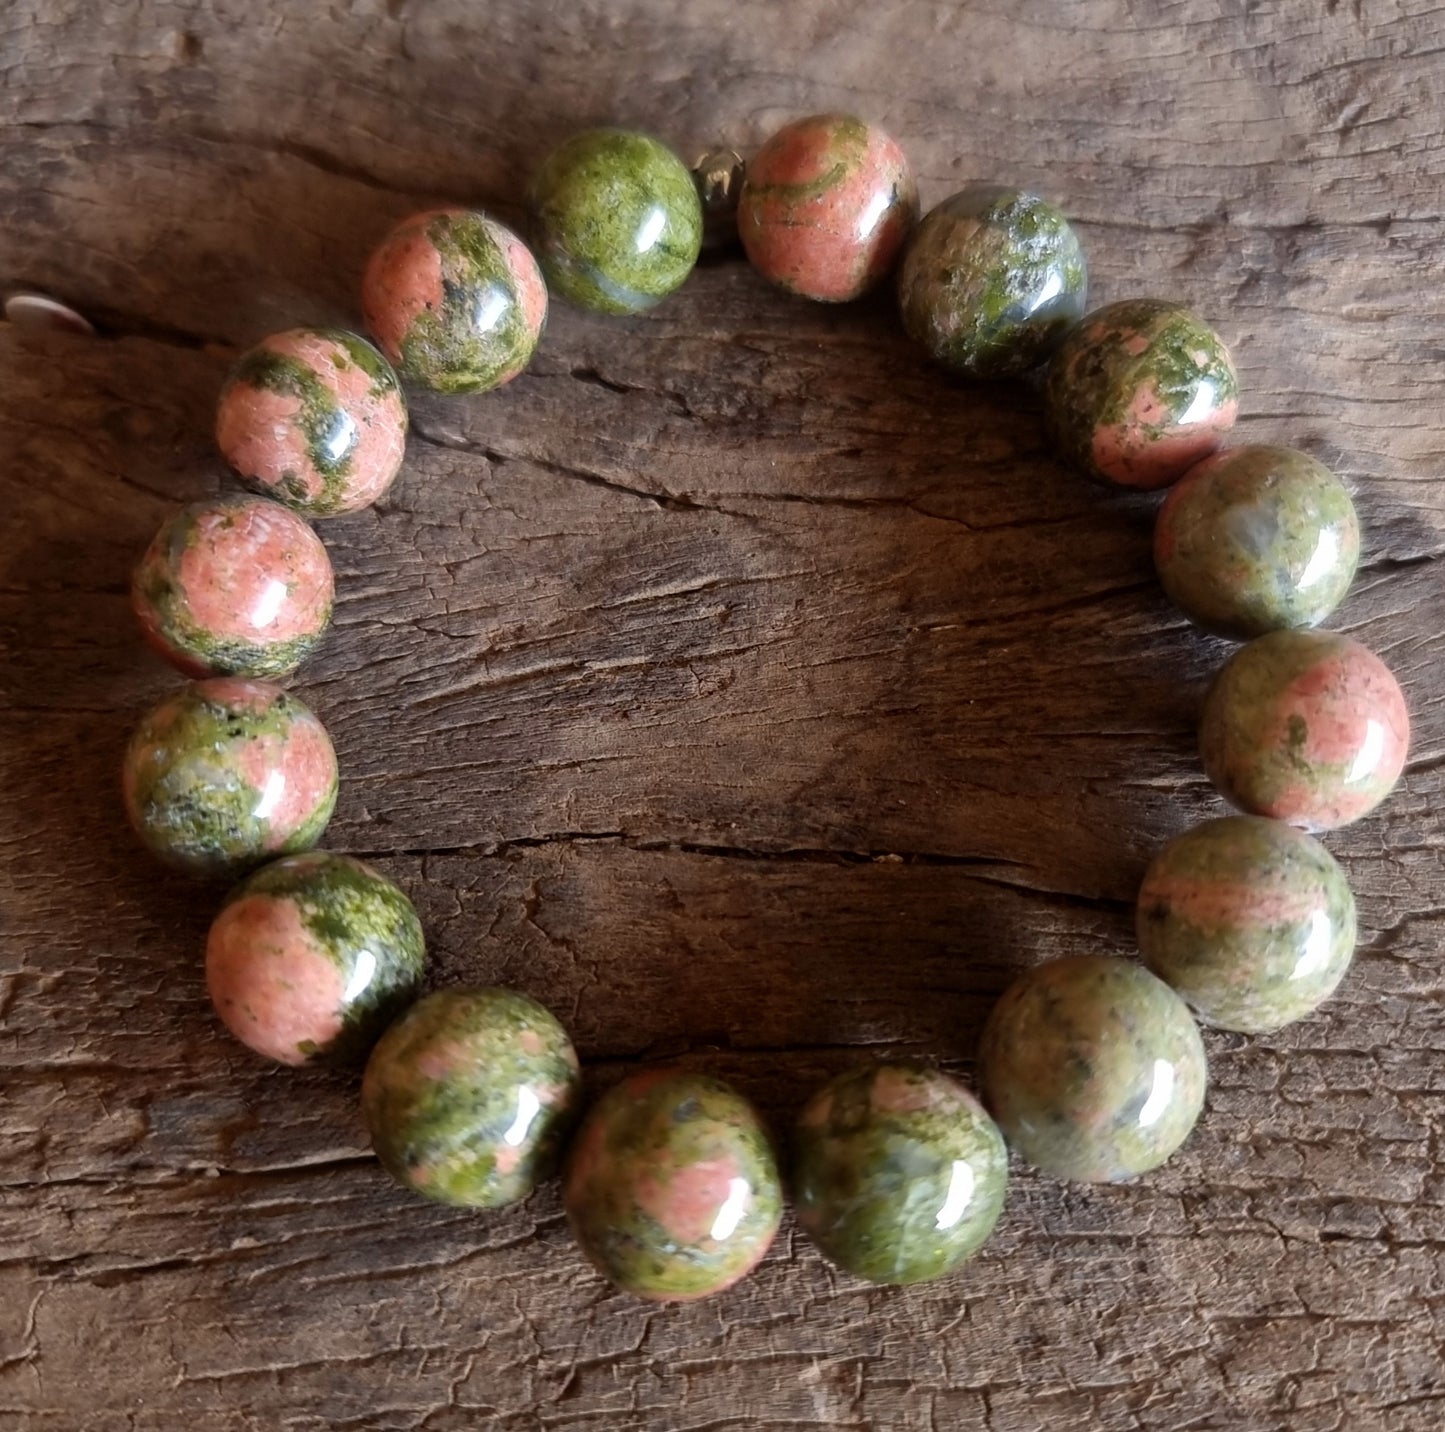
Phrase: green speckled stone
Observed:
(1138, 392)
(671, 1186)
(469, 1095)
(899, 1175)
(1305, 726)
(312, 957)
(1257, 538)
(1250, 920)
(1093, 1068)
(616, 220)
(992, 280)
(227, 773)
(455, 300)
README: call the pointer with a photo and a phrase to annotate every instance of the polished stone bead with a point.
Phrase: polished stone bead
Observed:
(1093, 1068)
(469, 1095)
(899, 1175)
(227, 773)
(1138, 392)
(315, 418)
(312, 957)
(826, 205)
(1305, 727)
(992, 281)
(1251, 921)
(455, 300)
(234, 586)
(671, 1186)
(616, 219)
(1257, 538)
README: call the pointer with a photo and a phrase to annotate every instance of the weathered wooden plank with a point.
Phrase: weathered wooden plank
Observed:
(742, 689)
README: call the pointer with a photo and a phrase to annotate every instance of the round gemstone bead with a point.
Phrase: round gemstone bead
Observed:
(1306, 727)
(617, 220)
(226, 773)
(899, 1175)
(234, 586)
(671, 1186)
(312, 957)
(469, 1095)
(455, 300)
(1250, 920)
(825, 207)
(315, 418)
(1257, 538)
(1093, 1068)
(992, 281)
(1138, 392)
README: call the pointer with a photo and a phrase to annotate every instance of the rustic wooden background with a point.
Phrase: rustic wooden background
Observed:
(745, 691)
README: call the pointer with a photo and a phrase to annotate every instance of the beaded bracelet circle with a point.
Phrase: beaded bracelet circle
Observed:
(1090, 1067)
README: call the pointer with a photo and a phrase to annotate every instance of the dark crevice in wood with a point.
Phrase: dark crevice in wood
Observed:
(972, 867)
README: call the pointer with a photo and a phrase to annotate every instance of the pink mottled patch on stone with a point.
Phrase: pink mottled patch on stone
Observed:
(272, 983)
(1146, 450)
(258, 434)
(531, 286)
(821, 219)
(899, 1093)
(240, 693)
(552, 1096)
(443, 1059)
(1231, 905)
(378, 414)
(254, 572)
(309, 763)
(685, 1202)
(584, 1164)
(403, 280)
(1356, 722)
(293, 774)
(506, 1157)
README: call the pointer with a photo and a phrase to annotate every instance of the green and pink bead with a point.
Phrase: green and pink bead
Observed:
(671, 1188)
(227, 773)
(1138, 392)
(1255, 539)
(469, 1095)
(234, 586)
(315, 418)
(1093, 1068)
(991, 281)
(826, 206)
(455, 300)
(1251, 921)
(312, 957)
(899, 1174)
(1305, 727)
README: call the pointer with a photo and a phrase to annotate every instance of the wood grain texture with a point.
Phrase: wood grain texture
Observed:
(747, 692)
